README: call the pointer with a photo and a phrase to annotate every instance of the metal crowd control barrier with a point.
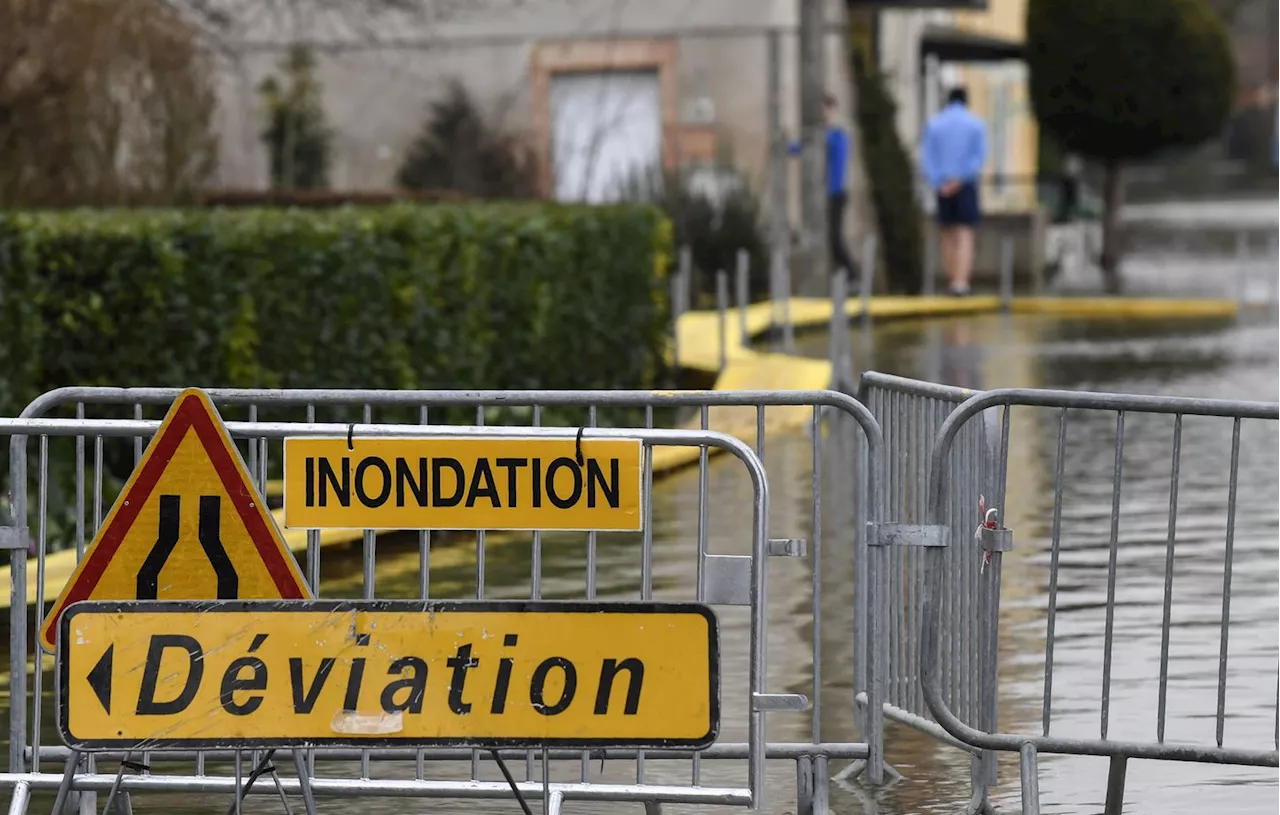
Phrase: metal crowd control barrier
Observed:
(910, 413)
(942, 538)
(721, 580)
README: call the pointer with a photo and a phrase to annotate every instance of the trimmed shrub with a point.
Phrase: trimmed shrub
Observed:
(243, 197)
(1120, 80)
(299, 142)
(715, 212)
(889, 172)
(403, 296)
(458, 149)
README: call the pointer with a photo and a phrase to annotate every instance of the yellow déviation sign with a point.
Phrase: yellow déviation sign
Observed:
(463, 483)
(234, 673)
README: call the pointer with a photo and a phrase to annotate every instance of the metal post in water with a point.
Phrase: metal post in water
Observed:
(788, 330)
(930, 260)
(1273, 256)
(679, 293)
(743, 270)
(1242, 270)
(722, 306)
(868, 272)
(1006, 273)
(839, 342)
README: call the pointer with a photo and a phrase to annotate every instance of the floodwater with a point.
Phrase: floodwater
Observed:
(1221, 359)
(1228, 359)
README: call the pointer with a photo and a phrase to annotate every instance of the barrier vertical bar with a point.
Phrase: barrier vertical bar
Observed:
(18, 605)
(1055, 551)
(1111, 574)
(1168, 578)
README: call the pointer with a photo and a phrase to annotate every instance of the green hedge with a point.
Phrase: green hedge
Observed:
(403, 296)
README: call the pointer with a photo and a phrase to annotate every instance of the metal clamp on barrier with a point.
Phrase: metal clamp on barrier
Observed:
(779, 701)
(999, 539)
(889, 534)
(14, 537)
(726, 579)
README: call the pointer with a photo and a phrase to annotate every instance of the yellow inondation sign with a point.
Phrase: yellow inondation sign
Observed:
(463, 483)
(203, 674)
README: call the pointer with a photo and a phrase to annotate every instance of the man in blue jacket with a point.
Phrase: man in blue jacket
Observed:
(952, 153)
(837, 195)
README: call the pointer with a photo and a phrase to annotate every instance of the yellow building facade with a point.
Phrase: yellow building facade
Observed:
(999, 93)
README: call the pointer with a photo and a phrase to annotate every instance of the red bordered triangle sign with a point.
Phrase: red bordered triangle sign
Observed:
(188, 525)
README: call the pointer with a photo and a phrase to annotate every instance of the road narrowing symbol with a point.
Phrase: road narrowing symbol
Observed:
(188, 525)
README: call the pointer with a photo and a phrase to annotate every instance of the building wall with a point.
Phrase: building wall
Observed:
(1000, 95)
(997, 92)
(376, 94)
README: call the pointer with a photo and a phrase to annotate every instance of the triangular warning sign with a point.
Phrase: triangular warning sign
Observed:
(188, 525)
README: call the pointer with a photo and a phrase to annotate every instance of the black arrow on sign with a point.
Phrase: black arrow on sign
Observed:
(210, 541)
(100, 678)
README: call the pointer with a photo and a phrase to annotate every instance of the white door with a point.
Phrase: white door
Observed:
(605, 127)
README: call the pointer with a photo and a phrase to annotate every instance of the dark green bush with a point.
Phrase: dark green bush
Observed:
(1121, 80)
(405, 296)
(889, 174)
(715, 212)
(459, 149)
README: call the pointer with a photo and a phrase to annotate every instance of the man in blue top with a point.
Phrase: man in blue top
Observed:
(952, 153)
(837, 196)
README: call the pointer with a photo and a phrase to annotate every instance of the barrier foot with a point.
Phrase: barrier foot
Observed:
(126, 803)
(1029, 771)
(804, 786)
(821, 787)
(1115, 785)
(858, 767)
(21, 795)
(304, 781)
(979, 775)
(64, 788)
(264, 767)
(554, 802)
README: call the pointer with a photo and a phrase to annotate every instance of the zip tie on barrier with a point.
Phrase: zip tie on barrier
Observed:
(351, 429)
(577, 446)
(515, 788)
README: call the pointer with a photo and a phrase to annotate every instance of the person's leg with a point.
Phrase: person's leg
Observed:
(946, 241)
(963, 260)
(835, 234)
(967, 217)
(947, 253)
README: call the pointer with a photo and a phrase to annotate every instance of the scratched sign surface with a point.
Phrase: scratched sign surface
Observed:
(364, 673)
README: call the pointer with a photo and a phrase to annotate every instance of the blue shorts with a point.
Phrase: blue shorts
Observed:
(961, 208)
